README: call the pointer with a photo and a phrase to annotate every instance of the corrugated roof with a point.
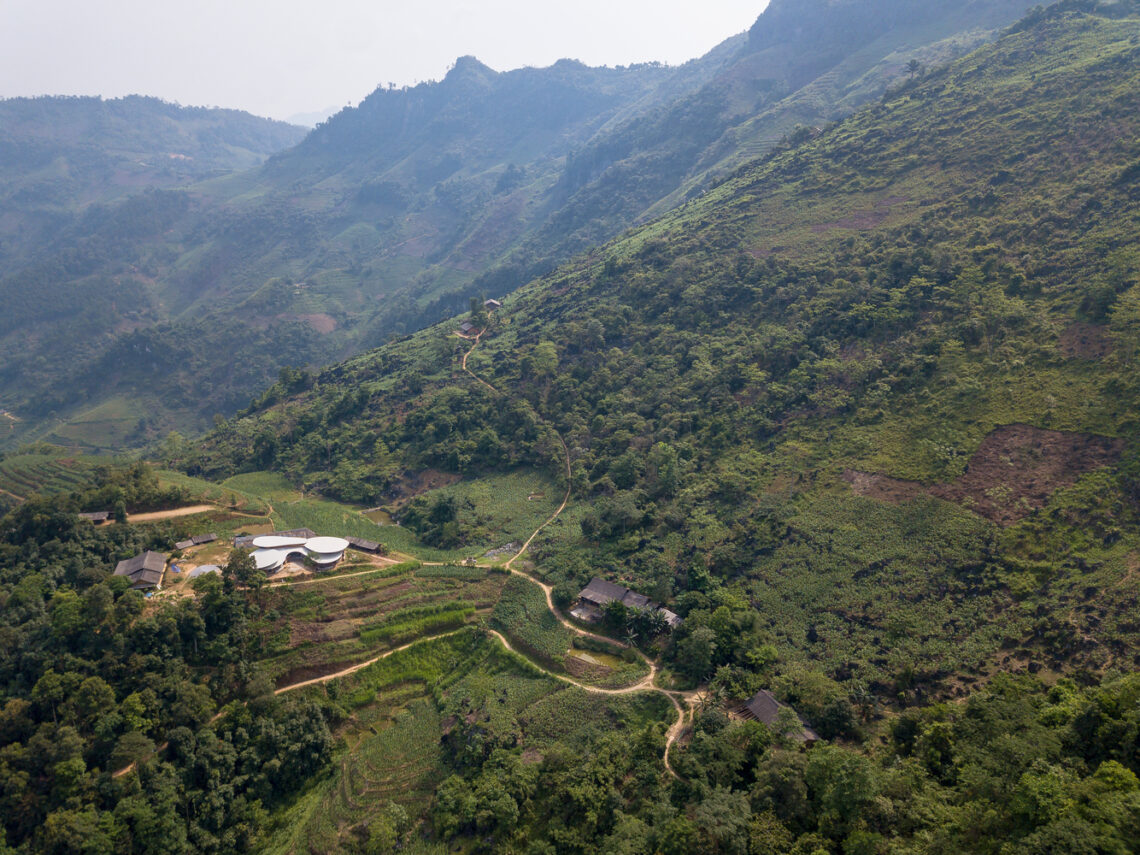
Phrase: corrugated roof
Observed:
(766, 709)
(601, 592)
(144, 570)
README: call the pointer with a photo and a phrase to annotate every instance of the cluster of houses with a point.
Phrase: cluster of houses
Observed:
(270, 553)
(468, 328)
(599, 593)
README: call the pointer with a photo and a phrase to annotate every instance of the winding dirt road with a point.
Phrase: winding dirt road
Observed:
(646, 684)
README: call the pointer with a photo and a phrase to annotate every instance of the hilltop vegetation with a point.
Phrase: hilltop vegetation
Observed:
(390, 215)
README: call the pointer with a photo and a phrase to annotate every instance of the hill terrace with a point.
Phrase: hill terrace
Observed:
(599, 593)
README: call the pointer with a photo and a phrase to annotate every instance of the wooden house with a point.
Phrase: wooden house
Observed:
(144, 570)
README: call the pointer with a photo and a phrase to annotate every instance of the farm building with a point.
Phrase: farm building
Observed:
(764, 708)
(196, 540)
(144, 570)
(466, 327)
(491, 305)
(363, 545)
(184, 544)
(97, 517)
(595, 596)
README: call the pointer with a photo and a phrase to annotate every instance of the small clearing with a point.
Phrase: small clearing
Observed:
(153, 516)
(1013, 473)
(1085, 341)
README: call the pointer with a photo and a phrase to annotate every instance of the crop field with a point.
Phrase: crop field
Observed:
(410, 712)
(107, 426)
(328, 518)
(493, 511)
(22, 475)
(322, 628)
(271, 486)
(400, 764)
(521, 614)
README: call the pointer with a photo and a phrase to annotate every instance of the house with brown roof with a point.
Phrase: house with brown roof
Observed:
(764, 708)
(144, 570)
(599, 593)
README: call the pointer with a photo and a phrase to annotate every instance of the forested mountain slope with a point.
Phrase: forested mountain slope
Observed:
(60, 155)
(864, 414)
(391, 215)
(873, 394)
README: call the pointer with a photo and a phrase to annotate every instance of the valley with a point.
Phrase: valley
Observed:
(784, 499)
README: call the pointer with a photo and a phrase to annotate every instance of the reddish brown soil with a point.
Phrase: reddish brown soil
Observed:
(414, 483)
(1014, 472)
(309, 672)
(1085, 341)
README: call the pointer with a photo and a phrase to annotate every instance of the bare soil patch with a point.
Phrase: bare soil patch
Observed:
(1013, 473)
(321, 322)
(166, 515)
(1085, 341)
(412, 484)
(864, 218)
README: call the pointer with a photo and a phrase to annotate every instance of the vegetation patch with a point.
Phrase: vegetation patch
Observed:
(1013, 473)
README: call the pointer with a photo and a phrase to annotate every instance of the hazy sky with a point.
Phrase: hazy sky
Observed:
(281, 57)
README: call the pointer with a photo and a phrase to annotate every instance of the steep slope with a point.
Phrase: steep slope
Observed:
(870, 401)
(394, 214)
(59, 155)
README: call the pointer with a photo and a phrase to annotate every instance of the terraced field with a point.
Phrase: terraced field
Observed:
(22, 475)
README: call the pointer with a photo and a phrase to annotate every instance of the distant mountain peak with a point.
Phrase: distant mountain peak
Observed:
(469, 66)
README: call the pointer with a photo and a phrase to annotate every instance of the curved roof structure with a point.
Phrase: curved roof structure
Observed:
(326, 545)
(203, 570)
(268, 559)
(276, 541)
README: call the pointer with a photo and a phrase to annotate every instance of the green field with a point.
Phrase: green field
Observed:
(468, 690)
(110, 425)
(522, 615)
(22, 475)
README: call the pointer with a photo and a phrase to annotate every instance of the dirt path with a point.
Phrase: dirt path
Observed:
(647, 684)
(166, 515)
(360, 665)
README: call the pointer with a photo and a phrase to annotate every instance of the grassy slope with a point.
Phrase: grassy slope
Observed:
(879, 299)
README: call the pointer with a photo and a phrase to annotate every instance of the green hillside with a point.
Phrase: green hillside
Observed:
(922, 319)
(864, 415)
(390, 216)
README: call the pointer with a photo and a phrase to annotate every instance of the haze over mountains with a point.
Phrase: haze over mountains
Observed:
(861, 412)
(390, 215)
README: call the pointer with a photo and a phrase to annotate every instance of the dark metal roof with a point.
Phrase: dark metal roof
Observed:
(766, 709)
(363, 545)
(199, 539)
(184, 544)
(96, 516)
(144, 570)
(601, 592)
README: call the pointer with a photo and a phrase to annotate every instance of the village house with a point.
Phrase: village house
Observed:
(599, 593)
(144, 570)
(491, 305)
(467, 328)
(764, 708)
(96, 517)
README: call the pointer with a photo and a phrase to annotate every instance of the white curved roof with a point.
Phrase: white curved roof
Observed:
(203, 570)
(276, 541)
(326, 545)
(268, 559)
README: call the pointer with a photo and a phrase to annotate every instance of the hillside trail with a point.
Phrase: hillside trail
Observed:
(648, 683)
